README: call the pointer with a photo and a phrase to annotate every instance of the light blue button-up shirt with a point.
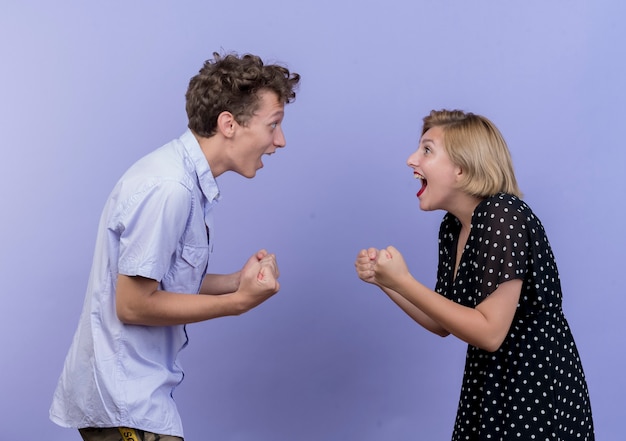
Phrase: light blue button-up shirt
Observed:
(155, 224)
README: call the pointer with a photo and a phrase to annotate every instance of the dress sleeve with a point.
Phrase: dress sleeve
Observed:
(502, 245)
(150, 228)
(448, 230)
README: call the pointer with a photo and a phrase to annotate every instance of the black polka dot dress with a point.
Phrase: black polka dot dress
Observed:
(533, 387)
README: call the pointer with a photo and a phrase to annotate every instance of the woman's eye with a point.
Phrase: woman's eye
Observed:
(274, 125)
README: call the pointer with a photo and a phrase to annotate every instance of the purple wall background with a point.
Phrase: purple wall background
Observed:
(85, 89)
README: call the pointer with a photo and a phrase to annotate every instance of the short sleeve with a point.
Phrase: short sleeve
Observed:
(448, 231)
(150, 225)
(502, 245)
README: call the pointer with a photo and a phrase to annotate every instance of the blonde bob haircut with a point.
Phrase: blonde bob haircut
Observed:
(476, 145)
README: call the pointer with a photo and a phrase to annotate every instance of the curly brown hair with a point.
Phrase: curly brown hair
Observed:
(232, 83)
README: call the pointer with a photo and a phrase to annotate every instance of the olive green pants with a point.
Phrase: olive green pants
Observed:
(123, 434)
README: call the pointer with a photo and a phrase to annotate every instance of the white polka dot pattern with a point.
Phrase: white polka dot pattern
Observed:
(533, 387)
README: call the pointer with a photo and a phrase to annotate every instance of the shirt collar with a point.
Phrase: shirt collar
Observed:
(208, 184)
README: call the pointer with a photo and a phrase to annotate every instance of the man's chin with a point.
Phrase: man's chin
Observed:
(248, 174)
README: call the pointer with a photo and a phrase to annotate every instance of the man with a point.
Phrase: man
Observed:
(152, 252)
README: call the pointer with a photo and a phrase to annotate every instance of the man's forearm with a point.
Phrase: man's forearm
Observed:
(217, 284)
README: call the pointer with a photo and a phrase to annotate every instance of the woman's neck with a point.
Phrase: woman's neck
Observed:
(464, 208)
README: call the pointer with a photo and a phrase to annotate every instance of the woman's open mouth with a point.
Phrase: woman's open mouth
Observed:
(424, 183)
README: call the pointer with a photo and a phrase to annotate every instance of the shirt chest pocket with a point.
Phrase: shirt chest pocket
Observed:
(187, 270)
(196, 256)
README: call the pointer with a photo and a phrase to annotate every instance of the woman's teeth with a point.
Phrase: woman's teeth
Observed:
(424, 183)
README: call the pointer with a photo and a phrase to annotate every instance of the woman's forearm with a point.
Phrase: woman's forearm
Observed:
(415, 313)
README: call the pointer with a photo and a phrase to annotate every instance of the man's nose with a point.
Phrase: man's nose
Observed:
(279, 138)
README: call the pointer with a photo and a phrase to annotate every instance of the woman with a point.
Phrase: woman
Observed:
(497, 289)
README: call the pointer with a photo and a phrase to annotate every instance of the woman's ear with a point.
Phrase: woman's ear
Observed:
(226, 124)
(459, 172)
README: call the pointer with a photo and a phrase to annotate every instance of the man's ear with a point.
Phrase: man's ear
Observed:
(226, 124)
